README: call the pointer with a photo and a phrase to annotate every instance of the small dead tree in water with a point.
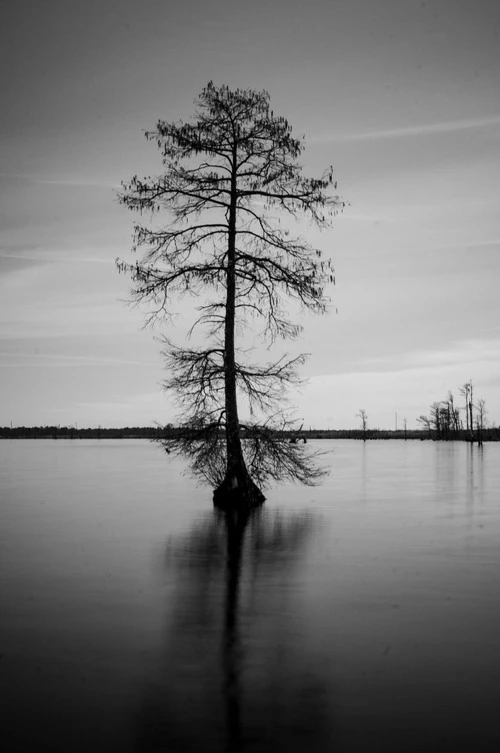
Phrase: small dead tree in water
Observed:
(480, 420)
(363, 415)
(453, 414)
(226, 175)
(467, 391)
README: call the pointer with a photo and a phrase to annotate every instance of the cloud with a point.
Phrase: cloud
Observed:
(68, 360)
(478, 352)
(10, 264)
(124, 402)
(69, 181)
(479, 356)
(428, 129)
(22, 259)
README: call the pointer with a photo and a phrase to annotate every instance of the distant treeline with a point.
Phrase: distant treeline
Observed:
(170, 432)
(65, 432)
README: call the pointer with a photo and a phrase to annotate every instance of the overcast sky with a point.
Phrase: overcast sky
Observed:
(402, 97)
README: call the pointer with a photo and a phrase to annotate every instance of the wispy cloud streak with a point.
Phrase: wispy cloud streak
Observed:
(68, 359)
(69, 182)
(65, 257)
(428, 129)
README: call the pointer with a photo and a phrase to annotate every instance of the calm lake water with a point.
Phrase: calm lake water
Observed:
(361, 615)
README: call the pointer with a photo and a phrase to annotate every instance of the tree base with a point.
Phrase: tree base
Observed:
(244, 495)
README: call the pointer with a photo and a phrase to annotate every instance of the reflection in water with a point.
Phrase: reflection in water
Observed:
(235, 676)
(459, 479)
(372, 627)
(235, 524)
(475, 474)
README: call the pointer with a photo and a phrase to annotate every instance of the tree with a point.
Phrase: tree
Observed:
(226, 175)
(453, 414)
(467, 391)
(425, 423)
(444, 418)
(480, 420)
(363, 415)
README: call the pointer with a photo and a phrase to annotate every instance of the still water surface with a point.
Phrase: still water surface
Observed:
(361, 615)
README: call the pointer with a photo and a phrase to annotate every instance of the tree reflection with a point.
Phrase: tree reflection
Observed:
(237, 675)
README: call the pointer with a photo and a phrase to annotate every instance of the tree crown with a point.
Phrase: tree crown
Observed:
(250, 164)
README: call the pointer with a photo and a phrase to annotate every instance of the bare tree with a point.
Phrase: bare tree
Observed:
(471, 406)
(444, 417)
(227, 174)
(480, 420)
(466, 390)
(425, 422)
(436, 418)
(362, 414)
(453, 414)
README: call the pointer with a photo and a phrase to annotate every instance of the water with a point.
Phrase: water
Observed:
(362, 615)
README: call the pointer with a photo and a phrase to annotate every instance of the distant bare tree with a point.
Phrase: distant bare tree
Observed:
(436, 418)
(362, 414)
(440, 419)
(467, 391)
(444, 419)
(453, 414)
(471, 407)
(425, 422)
(480, 419)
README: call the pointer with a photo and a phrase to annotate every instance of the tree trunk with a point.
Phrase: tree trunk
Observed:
(237, 488)
(471, 415)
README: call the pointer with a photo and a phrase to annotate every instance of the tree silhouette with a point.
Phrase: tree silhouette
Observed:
(480, 420)
(467, 391)
(227, 174)
(363, 415)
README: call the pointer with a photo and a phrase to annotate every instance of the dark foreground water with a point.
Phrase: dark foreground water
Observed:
(362, 615)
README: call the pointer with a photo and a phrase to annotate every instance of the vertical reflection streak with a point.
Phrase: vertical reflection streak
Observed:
(235, 523)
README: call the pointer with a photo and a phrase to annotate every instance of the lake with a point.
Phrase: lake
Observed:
(359, 615)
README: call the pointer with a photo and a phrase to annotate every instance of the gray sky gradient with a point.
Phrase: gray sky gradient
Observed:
(401, 96)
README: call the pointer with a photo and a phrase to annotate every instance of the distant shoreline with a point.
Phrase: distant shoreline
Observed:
(170, 432)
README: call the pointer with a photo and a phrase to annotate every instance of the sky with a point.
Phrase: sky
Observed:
(401, 97)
